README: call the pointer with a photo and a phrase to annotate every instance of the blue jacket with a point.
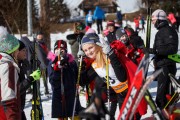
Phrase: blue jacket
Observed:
(98, 13)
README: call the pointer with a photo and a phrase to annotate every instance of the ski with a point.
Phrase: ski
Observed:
(142, 91)
(175, 82)
(175, 96)
(37, 111)
(148, 32)
(134, 89)
(155, 110)
(168, 111)
(175, 57)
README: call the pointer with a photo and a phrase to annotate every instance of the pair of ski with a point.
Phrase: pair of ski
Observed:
(137, 90)
(37, 110)
(168, 111)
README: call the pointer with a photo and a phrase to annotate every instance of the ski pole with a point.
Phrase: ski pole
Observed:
(77, 87)
(107, 81)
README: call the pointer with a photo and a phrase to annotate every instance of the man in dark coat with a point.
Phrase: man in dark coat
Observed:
(165, 43)
(42, 52)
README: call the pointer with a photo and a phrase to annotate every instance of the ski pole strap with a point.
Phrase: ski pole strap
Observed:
(175, 57)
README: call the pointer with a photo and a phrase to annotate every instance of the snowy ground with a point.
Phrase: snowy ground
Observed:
(46, 102)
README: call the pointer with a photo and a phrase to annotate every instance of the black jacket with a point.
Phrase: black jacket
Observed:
(111, 36)
(166, 43)
(25, 83)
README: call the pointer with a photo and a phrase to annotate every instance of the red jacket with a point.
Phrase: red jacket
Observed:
(130, 67)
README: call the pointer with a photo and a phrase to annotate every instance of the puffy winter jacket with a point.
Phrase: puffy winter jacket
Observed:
(166, 43)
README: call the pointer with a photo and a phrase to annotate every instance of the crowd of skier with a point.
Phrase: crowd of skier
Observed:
(112, 54)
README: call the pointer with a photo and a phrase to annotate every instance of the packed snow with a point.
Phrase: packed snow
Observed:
(46, 101)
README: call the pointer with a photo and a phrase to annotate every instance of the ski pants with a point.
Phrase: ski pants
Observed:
(119, 100)
(163, 82)
(99, 25)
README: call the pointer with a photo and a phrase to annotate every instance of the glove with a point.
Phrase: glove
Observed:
(149, 51)
(80, 53)
(106, 48)
(36, 75)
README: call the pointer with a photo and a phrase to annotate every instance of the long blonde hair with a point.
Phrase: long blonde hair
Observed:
(100, 57)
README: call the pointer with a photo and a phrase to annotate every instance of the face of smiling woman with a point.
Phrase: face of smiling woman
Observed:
(90, 50)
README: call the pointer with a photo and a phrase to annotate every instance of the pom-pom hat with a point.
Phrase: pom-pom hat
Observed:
(9, 43)
(60, 44)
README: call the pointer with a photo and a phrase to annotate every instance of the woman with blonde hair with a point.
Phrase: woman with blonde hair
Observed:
(119, 75)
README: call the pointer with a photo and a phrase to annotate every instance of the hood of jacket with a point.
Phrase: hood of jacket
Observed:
(5, 58)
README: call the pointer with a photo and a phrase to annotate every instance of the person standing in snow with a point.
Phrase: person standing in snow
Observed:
(75, 39)
(165, 43)
(99, 16)
(24, 82)
(111, 36)
(136, 22)
(42, 51)
(119, 17)
(10, 85)
(134, 44)
(62, 72)
(142, 23)
(89, 19)
(120, 72)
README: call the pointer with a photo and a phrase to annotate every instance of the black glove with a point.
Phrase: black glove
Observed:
(149, 51)
(63, 61)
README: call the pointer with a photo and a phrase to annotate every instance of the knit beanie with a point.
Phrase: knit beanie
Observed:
(159, 14)
(110, 23)
(91, 38)
(90, 30)
(21, 45)
(120, 32)
(60, 44)
(39, 32)
(9, 43)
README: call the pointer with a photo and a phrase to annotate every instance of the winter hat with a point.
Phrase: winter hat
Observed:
(39, 32)
(90, 30)
(21, 45)
(60, 44)
(120, 32)
(159, 14)
(9, 43)
(80, 26)
(110, 23)
(91, 38)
